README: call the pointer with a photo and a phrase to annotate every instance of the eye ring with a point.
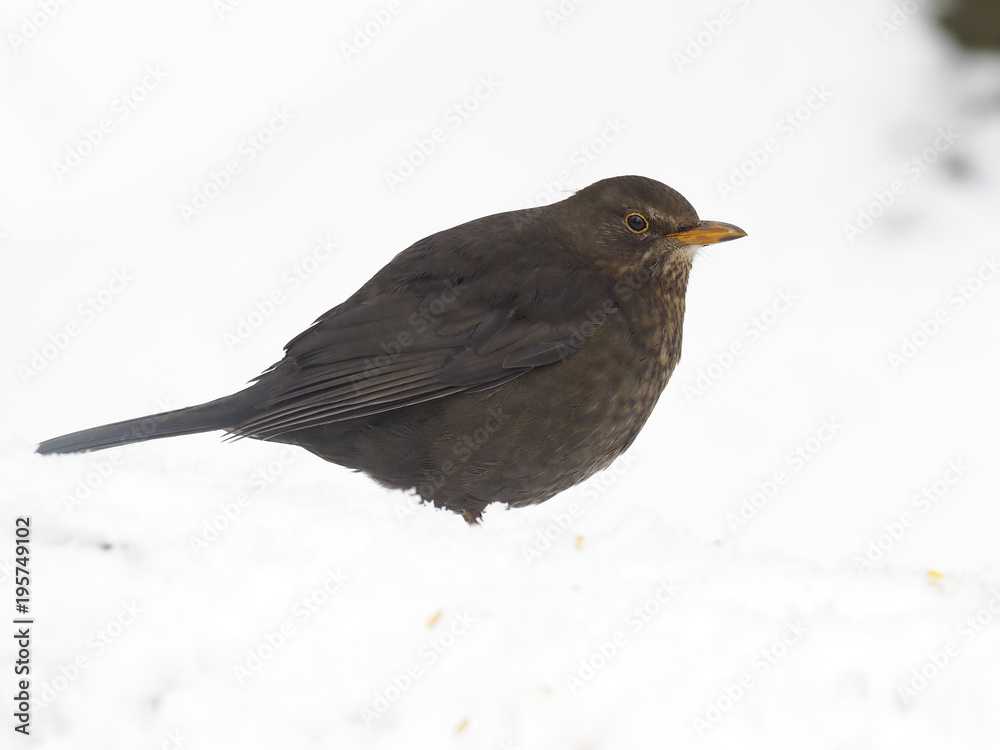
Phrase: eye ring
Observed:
(636, 223)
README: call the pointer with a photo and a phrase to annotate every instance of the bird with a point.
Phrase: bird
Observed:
(505, 360)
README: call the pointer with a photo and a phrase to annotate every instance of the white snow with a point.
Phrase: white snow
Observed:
(627, 612)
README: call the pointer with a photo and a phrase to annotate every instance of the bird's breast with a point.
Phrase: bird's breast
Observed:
(563, 422)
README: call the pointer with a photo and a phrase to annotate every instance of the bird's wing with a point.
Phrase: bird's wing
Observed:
(427, 326)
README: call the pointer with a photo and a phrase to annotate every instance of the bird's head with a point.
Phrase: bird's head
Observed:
(629, 225)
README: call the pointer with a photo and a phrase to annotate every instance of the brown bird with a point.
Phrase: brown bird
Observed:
(502, 360)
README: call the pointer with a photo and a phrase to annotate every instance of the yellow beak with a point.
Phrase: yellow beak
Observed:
(708, 233)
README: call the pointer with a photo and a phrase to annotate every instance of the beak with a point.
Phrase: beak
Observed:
(708, 233)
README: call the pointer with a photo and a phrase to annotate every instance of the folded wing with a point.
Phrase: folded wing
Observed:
(414, 336)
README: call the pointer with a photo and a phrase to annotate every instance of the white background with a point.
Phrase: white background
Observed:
(497, 640)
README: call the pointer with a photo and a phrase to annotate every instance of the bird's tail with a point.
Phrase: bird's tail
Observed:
(221, 414)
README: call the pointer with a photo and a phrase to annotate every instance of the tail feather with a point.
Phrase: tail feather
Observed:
(221, 414)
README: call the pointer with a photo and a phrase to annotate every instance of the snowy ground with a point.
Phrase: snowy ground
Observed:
(799, 551)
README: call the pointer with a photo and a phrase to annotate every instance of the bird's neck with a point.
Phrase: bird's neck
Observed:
(655, 312)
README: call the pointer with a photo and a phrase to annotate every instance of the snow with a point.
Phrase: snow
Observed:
(192, 594)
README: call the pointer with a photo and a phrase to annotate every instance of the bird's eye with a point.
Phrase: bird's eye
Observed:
(636, 223)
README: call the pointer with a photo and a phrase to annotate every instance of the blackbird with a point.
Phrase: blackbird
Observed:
(502, 360)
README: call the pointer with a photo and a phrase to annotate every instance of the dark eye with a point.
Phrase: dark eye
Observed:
(637, 223)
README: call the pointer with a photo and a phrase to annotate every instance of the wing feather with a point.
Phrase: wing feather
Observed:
(446, 327)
